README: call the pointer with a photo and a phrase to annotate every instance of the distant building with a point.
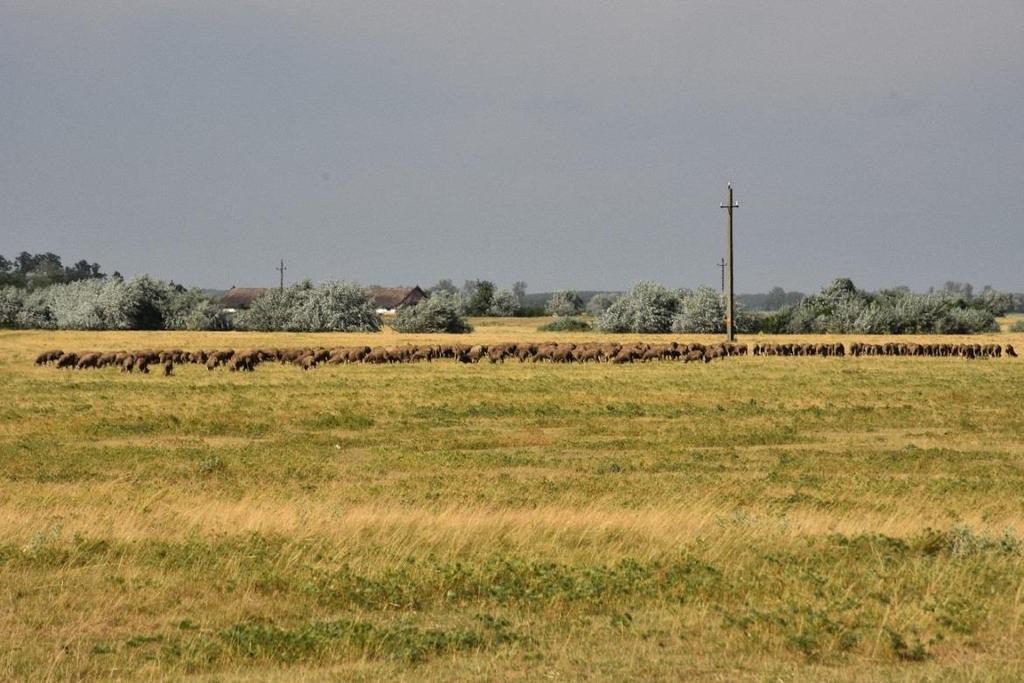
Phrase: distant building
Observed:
(387, 299)
(240, 298)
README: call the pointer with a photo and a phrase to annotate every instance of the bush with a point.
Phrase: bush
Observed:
(35, 312)
(149, 300)
(968, 321)
(646, 307)
(113, 304)
(330, 307)
(842, 308)
(11, 301)
(335, 307)
(190, 309)
(504, 304)
(92, 305)
(1017, 326)
(564, 303)
(566, 325)
(272, 312)
(995, 302)
(440, 313)
(777, 322)
(703, 312)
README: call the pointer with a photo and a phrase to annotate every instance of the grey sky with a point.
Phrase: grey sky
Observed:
(575, 144)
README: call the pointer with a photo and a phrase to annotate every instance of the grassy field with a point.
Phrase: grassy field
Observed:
(750, 519)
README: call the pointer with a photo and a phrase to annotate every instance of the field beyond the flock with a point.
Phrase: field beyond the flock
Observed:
(775, 518)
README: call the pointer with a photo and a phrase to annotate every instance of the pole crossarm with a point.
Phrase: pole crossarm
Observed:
(280, 269)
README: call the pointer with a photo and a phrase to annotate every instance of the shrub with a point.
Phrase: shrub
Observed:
(35, 312)
(11, 301)
(995, 302)
(564, 303)
(842, 308)
(1017, 326)
(566, 325)
(335, 307)
(875, 319)
(834, 309)
(330, 307)
(703, 312)
(190, 309)
(968, 321)
(149, 299)
(440, 313)
(272, 311)
(777, 322)
(91, 305)
(646, 307)
(504, 304)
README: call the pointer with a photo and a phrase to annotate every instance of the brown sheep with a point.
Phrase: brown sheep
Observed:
(376, 356)
(168, 367)
(497, 353)
(88, 360)
(423, 353)
(48, 356)
(625, 355)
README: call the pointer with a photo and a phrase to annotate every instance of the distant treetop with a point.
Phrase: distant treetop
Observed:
(35, 271)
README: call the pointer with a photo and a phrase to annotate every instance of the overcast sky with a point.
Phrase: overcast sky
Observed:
(567, 144)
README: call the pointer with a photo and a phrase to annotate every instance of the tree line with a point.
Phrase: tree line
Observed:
(35, 271)
(38, 291)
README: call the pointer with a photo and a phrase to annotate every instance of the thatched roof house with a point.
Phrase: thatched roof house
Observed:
(241, 298)
(387, 299)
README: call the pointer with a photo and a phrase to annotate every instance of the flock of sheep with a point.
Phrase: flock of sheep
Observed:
(308, 358)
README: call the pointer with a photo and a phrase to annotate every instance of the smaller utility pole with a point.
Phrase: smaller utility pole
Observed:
(280, 269)
(730, 303)
(721, 264)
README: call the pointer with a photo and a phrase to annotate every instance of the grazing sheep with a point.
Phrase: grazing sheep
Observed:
(47, 357)
(88, 360)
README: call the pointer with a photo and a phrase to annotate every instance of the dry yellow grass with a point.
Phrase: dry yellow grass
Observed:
(751, 519)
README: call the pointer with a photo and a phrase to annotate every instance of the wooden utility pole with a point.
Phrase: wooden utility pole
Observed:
(721, 265)
(730, 302)
(280, 269)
